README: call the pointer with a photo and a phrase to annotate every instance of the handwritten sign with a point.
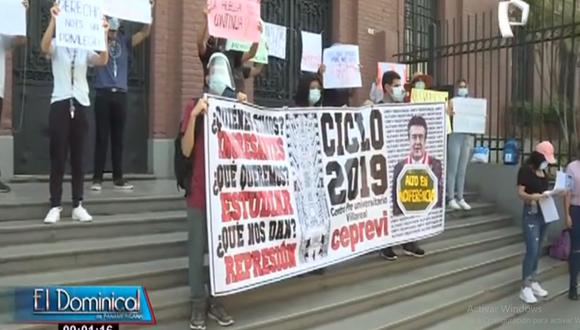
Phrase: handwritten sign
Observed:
(12, 18)
(234, 19)
(428, 96)
(470, 115)
(129, 10)
(80, 25)
(342, 67)
(242, 46)
(276, 38)
(311, 52)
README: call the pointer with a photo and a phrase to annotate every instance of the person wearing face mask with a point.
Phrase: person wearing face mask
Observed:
(458, 155)
(532, 182)
(393, 91)
(420, 81)
(219, 81)
(309, 91)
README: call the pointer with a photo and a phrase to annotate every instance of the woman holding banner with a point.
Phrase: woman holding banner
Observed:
(68, 116)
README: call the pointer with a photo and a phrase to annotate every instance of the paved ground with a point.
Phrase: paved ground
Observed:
(560, 313)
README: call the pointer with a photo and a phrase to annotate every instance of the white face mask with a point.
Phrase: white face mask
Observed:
(399, 94)
(543, 166)
(462, 92)
(420, 85)
(217, 86)
(314, 96)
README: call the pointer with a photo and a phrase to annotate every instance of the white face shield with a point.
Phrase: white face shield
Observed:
(220, 77)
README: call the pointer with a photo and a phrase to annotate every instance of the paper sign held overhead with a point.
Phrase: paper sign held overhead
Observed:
(242, 46)
(129, 10)
(342, 67)
(276, 37)
(81, 29)
(234, 19)
(428, 96)
(311, 52)
(12, 18)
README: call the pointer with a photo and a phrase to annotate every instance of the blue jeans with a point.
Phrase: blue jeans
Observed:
(574, 260)
(458, 156)
(534, 229)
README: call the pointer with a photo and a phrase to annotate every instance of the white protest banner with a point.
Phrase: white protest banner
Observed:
(80, 25)
(276, 37)
(311, 52)
(288, 191)
(470, 115)
(342, 67)
(12, 18)
(129, 10)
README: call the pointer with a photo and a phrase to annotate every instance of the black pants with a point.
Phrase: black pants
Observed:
(574, 259)
(67, 133)
(110, 117)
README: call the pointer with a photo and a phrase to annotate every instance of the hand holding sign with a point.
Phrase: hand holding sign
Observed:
(79, 24)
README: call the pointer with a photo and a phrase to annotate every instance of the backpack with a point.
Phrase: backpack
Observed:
(560, 249)
(183, 167)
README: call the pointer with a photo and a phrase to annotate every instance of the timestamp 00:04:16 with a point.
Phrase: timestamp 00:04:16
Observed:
(88, 327)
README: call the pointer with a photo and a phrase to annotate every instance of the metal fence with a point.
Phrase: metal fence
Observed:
(531, 81)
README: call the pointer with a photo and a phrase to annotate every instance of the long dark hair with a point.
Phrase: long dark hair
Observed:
(303, 90)
(535, 160)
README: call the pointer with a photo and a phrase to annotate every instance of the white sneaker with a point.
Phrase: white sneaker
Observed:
(463, 204)
(527, 295)
(538, 290)
(453, 205)
(53, 215)
(80, 214)
(97, 186)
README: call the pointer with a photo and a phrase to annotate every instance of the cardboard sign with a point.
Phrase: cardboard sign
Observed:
(234, 19)
(242, 46)
(80, 25)
(470, 115)
(428, 96)
(276, 38)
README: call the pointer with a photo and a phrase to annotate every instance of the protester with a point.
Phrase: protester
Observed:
(395, 93)
(420, 81)
(572, 209)
(218, 81)
(458, 156)
(309, 91)
(68, 118)
(6, 44)
(532, 182)
(207, 45)
(111, 85)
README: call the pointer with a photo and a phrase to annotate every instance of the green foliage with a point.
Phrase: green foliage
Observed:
(526, 114)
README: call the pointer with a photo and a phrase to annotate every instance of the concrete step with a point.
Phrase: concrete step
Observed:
(502, 312)
(29, 201)
(174, 303)
(43, 257)
(86, 251)
(427, 308)
(145, 223)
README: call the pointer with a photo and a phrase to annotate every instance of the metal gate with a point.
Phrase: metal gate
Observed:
(277, 85)
(531, 81)
(32, 88)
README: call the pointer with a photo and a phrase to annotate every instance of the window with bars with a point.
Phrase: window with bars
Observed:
(419, 16)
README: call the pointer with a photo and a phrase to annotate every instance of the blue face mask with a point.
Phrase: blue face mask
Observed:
(314, 96)
(462, 92)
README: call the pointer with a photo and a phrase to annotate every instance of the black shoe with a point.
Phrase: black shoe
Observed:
(388, 254)
(4, 188)
(218, 313)
(573, 294)
(123, 185)
(198, 316)
(412, 249)
(318, 272)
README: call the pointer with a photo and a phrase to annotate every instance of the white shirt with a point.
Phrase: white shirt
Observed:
(4, 46)
(63, 87)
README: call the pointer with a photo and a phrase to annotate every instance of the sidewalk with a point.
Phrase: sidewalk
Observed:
(560, 313)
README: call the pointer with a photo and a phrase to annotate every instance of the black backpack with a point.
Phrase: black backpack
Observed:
(183, 167)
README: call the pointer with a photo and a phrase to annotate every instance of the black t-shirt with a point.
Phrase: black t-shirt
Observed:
(534, 184)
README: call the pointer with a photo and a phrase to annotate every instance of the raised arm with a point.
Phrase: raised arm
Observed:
(140, 36)
(103, 57)
(46, 42)
(203, 36)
